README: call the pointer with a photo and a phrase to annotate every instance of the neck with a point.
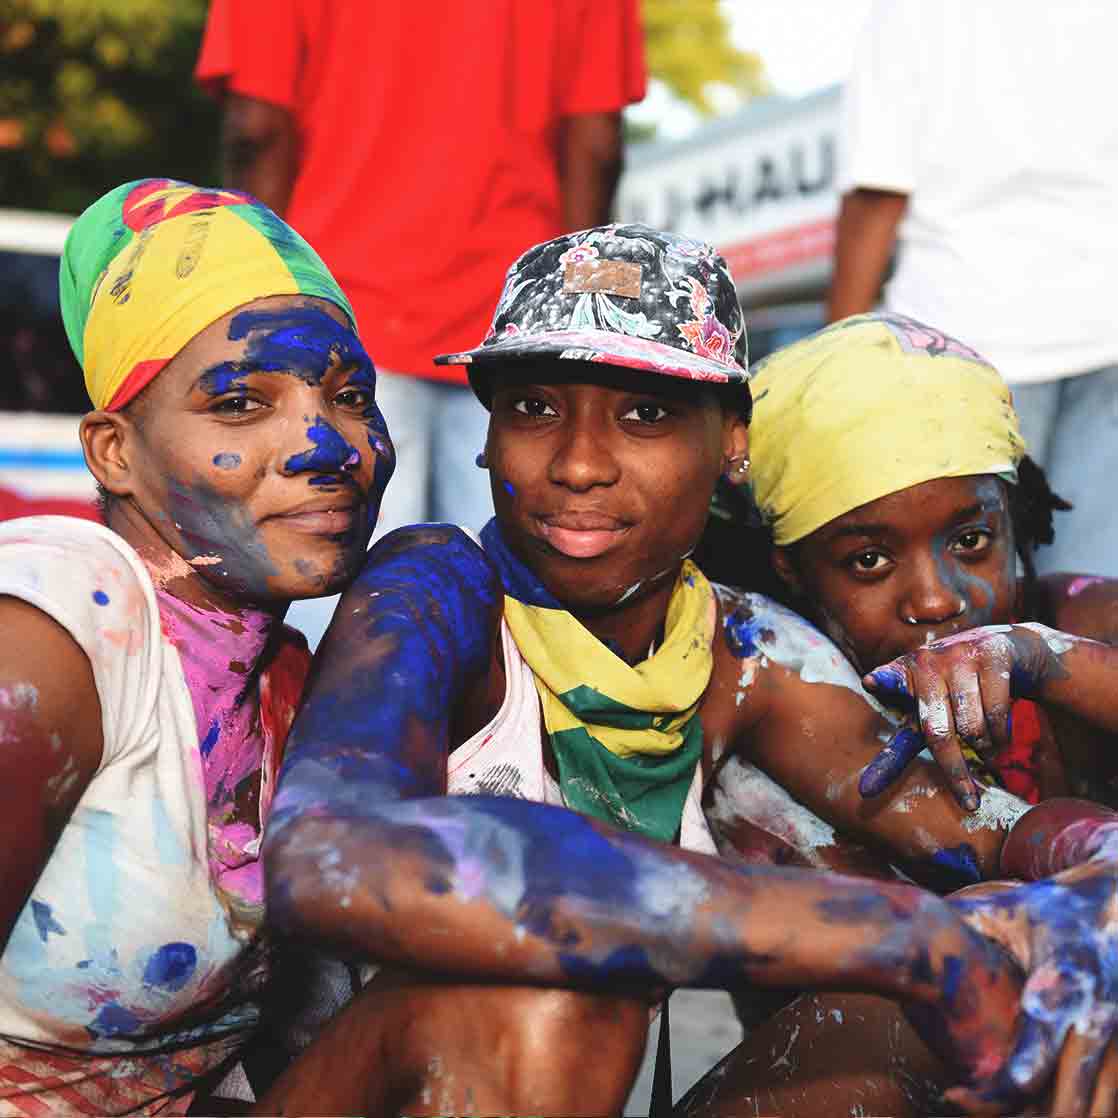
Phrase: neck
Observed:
(176, 577)
(631, 627)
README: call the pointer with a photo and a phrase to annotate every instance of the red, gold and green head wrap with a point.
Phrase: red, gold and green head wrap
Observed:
(152, 263)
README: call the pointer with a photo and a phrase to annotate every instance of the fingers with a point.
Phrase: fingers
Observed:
(997, 702)
(937, 721)
(891, 684)
(1077, 1074)
(968, 709)
(1104, 1104)
(905, 744)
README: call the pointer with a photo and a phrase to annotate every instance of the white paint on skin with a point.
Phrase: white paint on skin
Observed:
(743, 791)
(912, 797)
(998, 810)
(783, 1060)
(19, 696)
(205, 560)
(934, 717)
(1057, 642)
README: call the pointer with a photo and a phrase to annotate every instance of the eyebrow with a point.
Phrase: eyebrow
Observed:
(867, 528)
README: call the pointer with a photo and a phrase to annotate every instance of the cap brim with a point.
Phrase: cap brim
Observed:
(606, 347)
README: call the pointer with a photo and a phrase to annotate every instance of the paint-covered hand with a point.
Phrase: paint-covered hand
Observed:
(1063, 932)
(961, 690)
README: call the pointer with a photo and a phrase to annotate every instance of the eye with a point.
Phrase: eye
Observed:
(973, 542)
(353, 397)
(646, 413)
(535, 407)
(869, 561)
(236, 405)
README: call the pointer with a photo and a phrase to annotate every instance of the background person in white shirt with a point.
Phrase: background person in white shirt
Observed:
(979, 139)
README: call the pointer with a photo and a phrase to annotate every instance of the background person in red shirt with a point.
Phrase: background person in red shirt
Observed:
(421, 148)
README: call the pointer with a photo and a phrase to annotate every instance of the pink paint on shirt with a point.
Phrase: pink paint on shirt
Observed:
(218, 651)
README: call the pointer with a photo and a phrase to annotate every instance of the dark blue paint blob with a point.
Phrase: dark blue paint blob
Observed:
(330, 453)
(45, 922)
(227, 461)
(210, 740)
(906, 743)
(953, 972)
(510, 489)
(100, 597)
(952, 868)
(171, 967)
(113, 1020)
(623, 962)
(741, 631)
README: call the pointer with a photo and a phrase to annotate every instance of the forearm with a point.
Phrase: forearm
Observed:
(259, 150)
(864, 240)
(589, 160)
(1076, 674)
(508, 890)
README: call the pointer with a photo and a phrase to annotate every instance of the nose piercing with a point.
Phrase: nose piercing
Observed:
(742, 466)
(910, 620)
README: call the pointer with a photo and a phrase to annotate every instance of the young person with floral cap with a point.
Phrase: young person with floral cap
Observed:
(147, 681)
(578, 659)
(893, 481)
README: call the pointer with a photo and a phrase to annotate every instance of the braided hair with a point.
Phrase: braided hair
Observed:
(736, 545)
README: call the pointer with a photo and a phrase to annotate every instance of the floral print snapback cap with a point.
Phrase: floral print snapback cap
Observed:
(623, 295)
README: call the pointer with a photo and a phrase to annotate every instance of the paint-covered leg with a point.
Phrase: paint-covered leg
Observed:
(424, 1046)
(825, 1054)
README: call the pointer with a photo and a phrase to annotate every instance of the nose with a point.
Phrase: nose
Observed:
(328, 453)
(583, 459)
(930, 598)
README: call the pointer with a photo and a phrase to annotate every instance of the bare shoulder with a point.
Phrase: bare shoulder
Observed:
(760, 648)
(1086, 605)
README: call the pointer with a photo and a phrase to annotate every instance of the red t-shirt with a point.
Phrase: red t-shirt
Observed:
(428, 135)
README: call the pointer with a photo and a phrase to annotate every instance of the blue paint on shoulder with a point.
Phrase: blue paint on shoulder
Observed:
(45, 922)
(519, 580)
(171, 967)
(100, 597)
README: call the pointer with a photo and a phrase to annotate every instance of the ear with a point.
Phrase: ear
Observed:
(785, 568)
(735, 449)
(107, 442)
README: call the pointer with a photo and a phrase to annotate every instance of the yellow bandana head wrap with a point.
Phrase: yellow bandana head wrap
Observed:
(872, 405)
(152, 263)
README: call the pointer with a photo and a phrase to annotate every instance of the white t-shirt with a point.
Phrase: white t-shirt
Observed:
(997, 118)
(125, 947)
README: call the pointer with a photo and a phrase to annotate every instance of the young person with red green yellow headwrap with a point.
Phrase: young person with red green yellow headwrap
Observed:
(147, 681)
(574, 682)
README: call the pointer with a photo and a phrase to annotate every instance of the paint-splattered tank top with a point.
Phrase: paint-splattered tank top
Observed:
(131, 971)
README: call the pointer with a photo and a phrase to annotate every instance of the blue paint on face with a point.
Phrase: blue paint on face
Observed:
(227, 461)
(210, 740)
(330, 452)
(171, 967)
(510, 489)
(45, 922)
(113, 1020)
(100, 597)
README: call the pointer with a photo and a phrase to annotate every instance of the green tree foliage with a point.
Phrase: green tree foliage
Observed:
(689, 49)
(95, 92)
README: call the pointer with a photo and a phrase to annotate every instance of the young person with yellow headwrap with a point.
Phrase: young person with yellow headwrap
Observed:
(574, 683)
(891, 475)
(146, 679)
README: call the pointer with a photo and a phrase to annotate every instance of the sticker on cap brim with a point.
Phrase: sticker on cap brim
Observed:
(605, 277)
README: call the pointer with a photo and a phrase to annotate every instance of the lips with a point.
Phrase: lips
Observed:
(582, 535)
(319, 518)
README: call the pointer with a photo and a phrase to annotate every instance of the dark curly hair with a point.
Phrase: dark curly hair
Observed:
(736, 545)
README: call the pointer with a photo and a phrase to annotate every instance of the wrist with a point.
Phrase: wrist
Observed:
(1058, 834)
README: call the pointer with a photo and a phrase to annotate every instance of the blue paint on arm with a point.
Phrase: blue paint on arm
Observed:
(414, 628)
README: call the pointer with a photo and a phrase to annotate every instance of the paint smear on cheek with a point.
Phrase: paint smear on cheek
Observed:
(227, 461)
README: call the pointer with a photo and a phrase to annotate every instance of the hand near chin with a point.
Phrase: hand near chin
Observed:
(961, 690)
(1063, 932)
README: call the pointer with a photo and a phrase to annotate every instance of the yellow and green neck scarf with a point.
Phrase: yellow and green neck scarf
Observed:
(626, 738)
(152, 263)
